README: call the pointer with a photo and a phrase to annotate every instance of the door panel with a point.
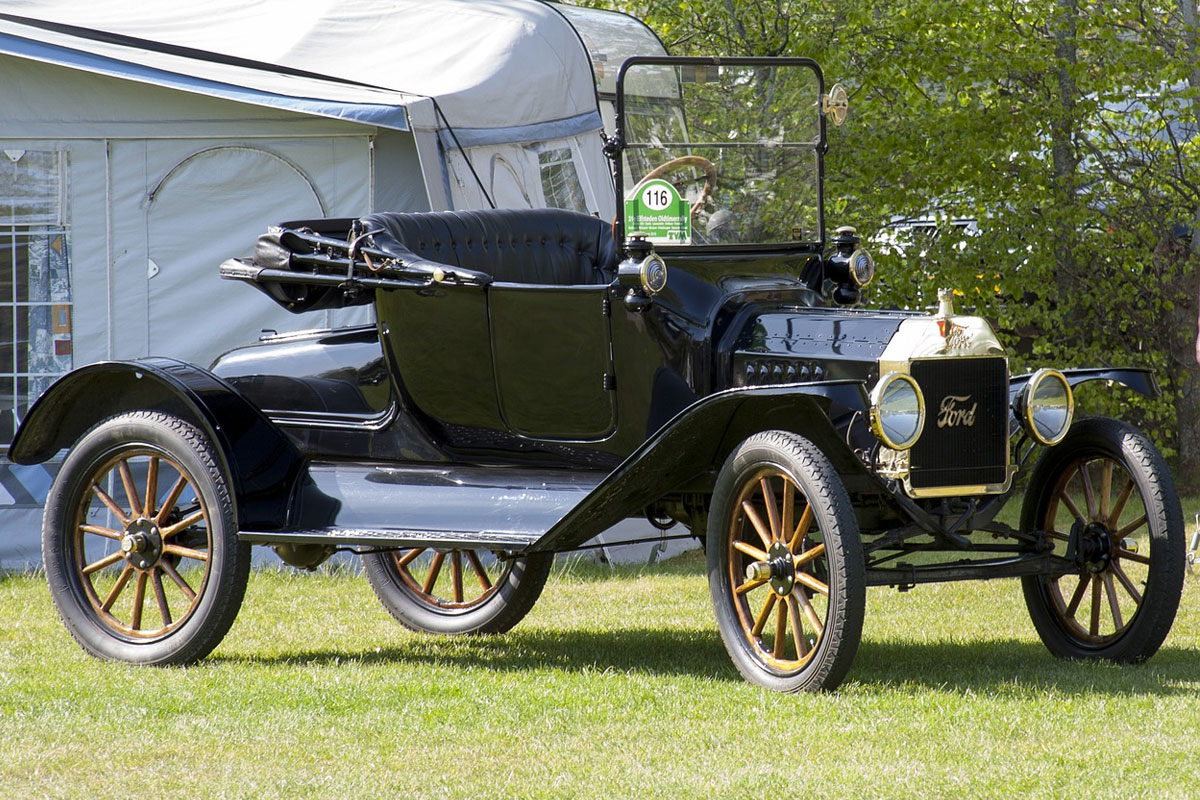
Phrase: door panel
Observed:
(552, 352)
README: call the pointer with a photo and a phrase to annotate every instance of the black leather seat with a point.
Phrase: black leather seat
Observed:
(538, 246)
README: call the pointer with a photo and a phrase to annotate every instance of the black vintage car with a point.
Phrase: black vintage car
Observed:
(535, 376)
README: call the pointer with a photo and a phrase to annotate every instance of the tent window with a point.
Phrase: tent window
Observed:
(560, 180)
(35, 280)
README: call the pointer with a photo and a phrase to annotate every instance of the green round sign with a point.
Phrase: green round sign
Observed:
(656, 209)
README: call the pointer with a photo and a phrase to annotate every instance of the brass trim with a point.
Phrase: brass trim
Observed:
(959, 491)
(644, 273)
(940, 335)
(1026, 408)
(862, 251)
(836, 104)
(881, 386)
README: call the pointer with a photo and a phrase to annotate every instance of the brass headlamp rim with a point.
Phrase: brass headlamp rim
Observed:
(644, 273)
(876, 398)
(1025, 407)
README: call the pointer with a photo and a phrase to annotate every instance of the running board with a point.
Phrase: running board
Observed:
(387, 538)
(345, 504)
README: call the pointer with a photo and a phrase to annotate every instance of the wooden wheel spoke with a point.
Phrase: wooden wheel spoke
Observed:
(761, 621)
(1129, 556)
(787, 514)
(750, 585)
(772, 508)
(757, 522)
(183, 524)
(810, 613)
(118, 587)
(1119, 507)
(808, 555)
(1131, 527)
(797, 629)
(480, 572)
(174, 575)
(151, 487)
(1076, 598)
(107, 533)
(1114, 607)
(1127, 583)
(1094, 622)
(1106, 479)
(456, 575)
(185, 552)
(407, 558)
(1089, 492)
(434, 569)
(1070, 504)
(781, 617)
(139, 600)
(116, 510)
(750, 550)
(171, 499)
(160, 597)
(812, 583)
(131, 494)
(107, 561)
(806, 518)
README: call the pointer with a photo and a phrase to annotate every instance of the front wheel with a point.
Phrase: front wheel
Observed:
(140, 542)
(1106, 500)
(451, 591)
(785, 565)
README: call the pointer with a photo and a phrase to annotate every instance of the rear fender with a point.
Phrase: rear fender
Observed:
(696, 442)
(260, 460)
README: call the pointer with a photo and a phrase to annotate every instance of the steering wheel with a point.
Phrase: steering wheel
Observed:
(676, 164)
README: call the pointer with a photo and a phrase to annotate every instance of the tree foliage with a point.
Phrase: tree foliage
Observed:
(1063, 129)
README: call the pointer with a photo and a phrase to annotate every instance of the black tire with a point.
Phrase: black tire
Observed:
(817, 605)
(145, 585)
(457, 591)
(1121, 601)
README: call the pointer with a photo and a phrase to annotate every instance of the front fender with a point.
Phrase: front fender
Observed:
(697, 441)
(1140, 380)
(261, 461)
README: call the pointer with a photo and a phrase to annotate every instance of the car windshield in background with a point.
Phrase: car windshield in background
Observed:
(722, 154)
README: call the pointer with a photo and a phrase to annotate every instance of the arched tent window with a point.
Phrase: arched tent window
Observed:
(196, 218)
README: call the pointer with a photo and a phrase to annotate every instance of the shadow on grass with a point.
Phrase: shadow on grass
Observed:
(962, 667)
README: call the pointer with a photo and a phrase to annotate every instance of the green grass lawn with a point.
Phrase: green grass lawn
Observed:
(616, 686)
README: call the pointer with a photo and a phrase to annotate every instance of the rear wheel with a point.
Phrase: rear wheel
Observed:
(785, 565)
(453, 591)
(1106, 499)
(140, 542)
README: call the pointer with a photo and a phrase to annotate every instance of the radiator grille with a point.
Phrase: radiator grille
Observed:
(965, 440)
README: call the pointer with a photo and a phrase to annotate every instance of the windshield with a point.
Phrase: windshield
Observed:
(722, 153)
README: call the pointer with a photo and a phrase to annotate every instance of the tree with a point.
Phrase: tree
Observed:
(1065, 129)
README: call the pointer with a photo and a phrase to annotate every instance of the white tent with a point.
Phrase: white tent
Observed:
(141, 144)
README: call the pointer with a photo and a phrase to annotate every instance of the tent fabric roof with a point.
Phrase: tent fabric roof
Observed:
(489, 64)
(241, 84)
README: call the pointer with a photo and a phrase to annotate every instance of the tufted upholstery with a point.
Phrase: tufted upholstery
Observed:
(541, 246)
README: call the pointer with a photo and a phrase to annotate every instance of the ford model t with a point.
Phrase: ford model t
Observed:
(535, 376)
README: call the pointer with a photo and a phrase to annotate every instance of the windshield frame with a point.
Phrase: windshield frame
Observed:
(618, 145)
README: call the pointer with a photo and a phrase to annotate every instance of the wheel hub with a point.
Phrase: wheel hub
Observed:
(1096, 547)
(142, 543)
(783, 569)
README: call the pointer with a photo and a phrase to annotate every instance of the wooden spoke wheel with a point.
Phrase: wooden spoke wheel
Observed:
(140, 542)
(785, 565)
(456, 591)
(1106, 500)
